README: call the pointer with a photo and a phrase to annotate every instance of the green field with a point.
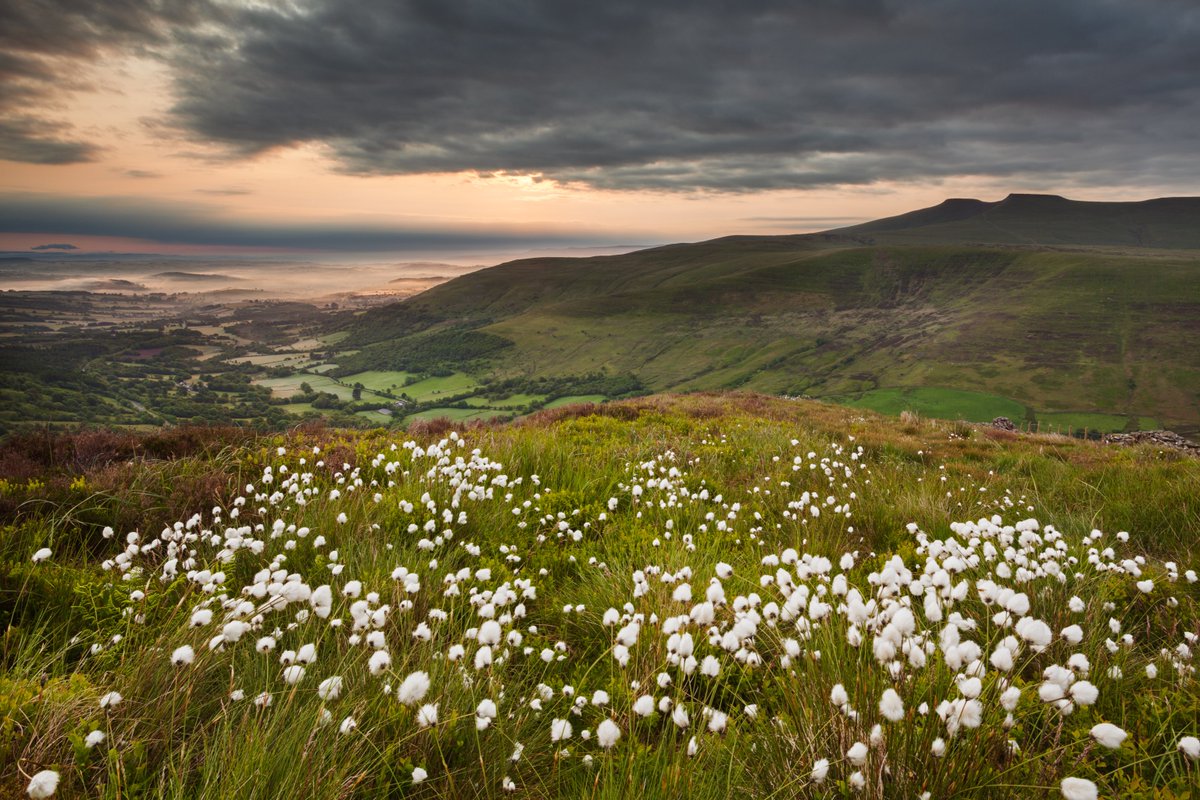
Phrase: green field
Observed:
(573, 399)
(290, 386)
(432, 388)
(940, 403)
(512, 401)
(1072, 421)
(380, 380)
(272, 359)
(376, 417)
(456, 414)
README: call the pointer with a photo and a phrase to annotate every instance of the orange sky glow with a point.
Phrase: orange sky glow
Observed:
(123, 104)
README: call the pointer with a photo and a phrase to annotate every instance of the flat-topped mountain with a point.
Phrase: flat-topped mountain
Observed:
(1044, 219)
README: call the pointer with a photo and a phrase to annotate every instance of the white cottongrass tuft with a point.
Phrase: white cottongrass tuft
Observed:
(891, 706)
(1078, 789)
(38, 557)
(428, 715)
(413, 689)
(607, 734)
(857, 754)
(94, 738)
(560, 729)
(820, 770)
(293, 674)
(1108, 735)
(419, 774)
(330, 688)
(43, 784)
(1190, 747)
(1084, 693)
(183, 655)
(111, 700)
(380, 660)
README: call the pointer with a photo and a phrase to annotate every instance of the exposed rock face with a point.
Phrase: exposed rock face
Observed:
(1167, 439)
(1004, 424)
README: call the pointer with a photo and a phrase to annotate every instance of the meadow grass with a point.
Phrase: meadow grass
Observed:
(938, 402)
(538, 563)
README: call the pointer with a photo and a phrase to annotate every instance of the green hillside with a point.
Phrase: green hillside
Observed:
(1105, 332)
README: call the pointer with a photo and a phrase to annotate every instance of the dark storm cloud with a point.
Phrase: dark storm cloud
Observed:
(36, 141)
(54, 247)
(166, 222)
(672, 95)
(44, 42)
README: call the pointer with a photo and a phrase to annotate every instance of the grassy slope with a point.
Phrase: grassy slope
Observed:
(1088, 329)
(177, 733)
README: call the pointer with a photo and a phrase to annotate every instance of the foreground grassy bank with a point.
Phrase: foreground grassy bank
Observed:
(671, 596)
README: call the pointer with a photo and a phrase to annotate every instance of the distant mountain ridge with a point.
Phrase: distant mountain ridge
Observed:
(1043, 219)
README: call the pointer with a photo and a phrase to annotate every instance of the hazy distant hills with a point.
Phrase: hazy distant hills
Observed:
(1044, 304)
(1042, 219)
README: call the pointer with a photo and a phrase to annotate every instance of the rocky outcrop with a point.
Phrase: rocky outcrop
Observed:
(1168, 439)
(1004, 424)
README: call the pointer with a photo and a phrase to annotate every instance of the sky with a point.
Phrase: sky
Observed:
(459, 127)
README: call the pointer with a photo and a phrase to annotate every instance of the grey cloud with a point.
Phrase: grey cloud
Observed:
(54, 247)
(43, 43)
(198, 224)
(710, 96)
(142, 173)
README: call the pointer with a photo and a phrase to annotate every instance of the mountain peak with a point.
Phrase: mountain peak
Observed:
(1028, 197)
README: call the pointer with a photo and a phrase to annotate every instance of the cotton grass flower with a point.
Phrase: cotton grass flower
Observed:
(1108, 735)
(330, 688)
(560, 729)
(111, 700)
(1078, 789)
(94, 738)
(1190, 747)
(413, 689)
(379, 661)
(1084, 693)
(857, 754)
(38, 557)
(607, 734)
(293, 674)
(419, 774)
(43, 784)
(427, 715)
(891, 706)
(820, 770)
